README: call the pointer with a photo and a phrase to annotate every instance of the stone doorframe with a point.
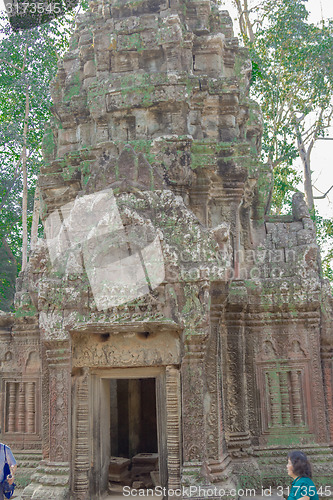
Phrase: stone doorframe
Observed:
(91, 434)
(100, 398)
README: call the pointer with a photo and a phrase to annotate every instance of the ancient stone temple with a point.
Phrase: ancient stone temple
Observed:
(166, 329)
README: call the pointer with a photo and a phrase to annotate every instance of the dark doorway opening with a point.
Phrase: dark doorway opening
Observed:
(133, 417)
(133, 432)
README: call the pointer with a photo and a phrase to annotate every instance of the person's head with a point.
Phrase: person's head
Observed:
(298, 465)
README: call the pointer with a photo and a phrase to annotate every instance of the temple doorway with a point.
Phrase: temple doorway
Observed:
(130, 427)
(133, 433)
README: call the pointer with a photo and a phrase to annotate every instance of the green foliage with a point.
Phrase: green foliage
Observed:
(324, 228)
(8, 272)
(286, 178)
(28, 61)
(292, 80)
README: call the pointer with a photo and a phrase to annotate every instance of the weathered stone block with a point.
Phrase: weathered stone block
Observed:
(89, 69)
(305, 237)
(295, 226)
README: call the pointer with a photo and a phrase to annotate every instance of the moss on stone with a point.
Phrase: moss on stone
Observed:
(74, 88)
(48, 143)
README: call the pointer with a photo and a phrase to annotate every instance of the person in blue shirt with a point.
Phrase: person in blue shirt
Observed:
(299, 469)
(12, 464)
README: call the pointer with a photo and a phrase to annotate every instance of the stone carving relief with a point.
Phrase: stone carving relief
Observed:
(129, 349)
(81, 442)
(20, 386)
(20, 407)
(212, 399)
(173, 411)
(284, 384)
(59, 426)
(235, 402)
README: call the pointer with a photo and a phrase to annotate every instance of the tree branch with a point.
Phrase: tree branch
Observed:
(25, 183)
(10, 64)
(315, 133)
(25, 57)
(24, 61)
(324, 195)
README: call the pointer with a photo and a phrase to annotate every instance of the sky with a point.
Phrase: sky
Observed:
(322, 155)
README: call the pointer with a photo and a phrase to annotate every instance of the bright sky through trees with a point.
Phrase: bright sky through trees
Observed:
(322, 155)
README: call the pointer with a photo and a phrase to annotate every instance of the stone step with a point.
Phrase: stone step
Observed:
(27, 463)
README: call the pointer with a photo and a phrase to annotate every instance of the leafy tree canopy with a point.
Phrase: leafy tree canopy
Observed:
(28, 62)
(292, 80)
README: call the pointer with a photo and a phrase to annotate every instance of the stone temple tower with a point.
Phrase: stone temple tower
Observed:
(167, 330)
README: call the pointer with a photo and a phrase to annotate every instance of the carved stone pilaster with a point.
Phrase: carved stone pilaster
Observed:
(327, 362)
(81, 433)
(51, 479)
(238, 436)
(193, 391)
(58, 356)
(31, 407)
(173, 409)
(217, 454)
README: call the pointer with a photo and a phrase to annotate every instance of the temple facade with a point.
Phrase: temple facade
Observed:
(167, 330)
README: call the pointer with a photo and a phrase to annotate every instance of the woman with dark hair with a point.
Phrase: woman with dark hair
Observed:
(299, 468)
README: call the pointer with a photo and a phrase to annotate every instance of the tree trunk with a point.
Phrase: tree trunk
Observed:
(25, 185)
(305, 157)
(242, 26)
(308, 182)
(245, 24)
(35, 220)
(248, 22)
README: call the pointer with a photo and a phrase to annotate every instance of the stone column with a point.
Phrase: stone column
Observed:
(81, 435)
(51, 479)
(326, 340)
(173, 425)
(58, 356)
(217, 454)
(21, 408)
(285, 403)
(296, 397)
(194, 444)
(327, 361)
(238, 436)
(11, 407)
(31, 409)
(134, 412)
